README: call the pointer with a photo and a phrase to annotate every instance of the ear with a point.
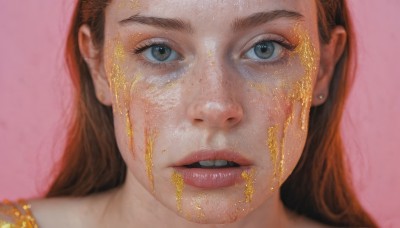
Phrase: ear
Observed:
(93, 59)
(330, 54)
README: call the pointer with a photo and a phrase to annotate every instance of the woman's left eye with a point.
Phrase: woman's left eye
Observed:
(267, 51)
(159, 53)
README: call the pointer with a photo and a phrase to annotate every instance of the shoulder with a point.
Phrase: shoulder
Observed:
(58, 212)
(67, 211)
(16, 214)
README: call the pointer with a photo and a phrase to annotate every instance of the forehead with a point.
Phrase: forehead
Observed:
(207, 13)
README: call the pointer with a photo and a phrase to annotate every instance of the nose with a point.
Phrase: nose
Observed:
(216, 103)
(216, 113)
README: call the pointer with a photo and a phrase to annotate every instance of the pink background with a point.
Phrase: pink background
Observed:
(35, 93)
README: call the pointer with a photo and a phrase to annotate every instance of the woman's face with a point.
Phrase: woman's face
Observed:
(210, 98)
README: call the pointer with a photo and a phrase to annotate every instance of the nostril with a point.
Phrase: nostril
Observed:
(231, 119)
(198, 120)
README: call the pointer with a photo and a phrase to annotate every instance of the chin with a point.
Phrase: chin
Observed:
(215, 209)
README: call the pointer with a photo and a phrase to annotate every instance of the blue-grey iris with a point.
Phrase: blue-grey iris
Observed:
(161, 53)
(264, 50)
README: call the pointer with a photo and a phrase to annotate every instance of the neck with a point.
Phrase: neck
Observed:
(132, 204)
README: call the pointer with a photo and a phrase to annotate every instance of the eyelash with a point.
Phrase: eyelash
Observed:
(287, 49)
(149, 44)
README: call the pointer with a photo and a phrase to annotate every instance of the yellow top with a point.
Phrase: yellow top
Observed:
(16, 215)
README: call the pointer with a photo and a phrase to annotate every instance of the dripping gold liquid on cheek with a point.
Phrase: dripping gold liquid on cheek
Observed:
(121, 87)
(300, 94)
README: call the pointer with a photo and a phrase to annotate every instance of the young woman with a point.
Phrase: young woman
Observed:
(200, 113)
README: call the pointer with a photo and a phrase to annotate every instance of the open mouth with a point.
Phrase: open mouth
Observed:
(212, 169)
(213, 164)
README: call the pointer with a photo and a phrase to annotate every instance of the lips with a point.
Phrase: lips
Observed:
(212, 169)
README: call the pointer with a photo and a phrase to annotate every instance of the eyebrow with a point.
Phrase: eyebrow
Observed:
(264, 17)
(165, 23)
(238, 24)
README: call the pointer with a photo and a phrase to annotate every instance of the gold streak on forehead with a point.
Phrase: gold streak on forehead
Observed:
(248, 176)
(177, 180)
(149, 136)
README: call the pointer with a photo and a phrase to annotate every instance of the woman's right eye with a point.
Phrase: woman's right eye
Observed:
(265, 51)
(158, 53)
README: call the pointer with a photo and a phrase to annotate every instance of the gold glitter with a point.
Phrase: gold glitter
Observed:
(177, 179)
(303, 88)
(129, 130)
(121, 88)
(278, 153)
(282, 159)
(248, 176)
(196, 203)
(16, 214)
(118, 81)
(149, 157)
(273, 146)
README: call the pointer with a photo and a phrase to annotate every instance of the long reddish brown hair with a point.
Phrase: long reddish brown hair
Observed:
(318, 188)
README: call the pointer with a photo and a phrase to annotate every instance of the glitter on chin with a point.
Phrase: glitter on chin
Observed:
(177, 180)
(248, 176)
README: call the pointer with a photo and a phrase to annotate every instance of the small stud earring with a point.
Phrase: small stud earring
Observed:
(321, 97)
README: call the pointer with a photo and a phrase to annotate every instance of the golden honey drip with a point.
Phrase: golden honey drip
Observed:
(129, 131)
(273, 146)
(149, 157)
(118, 80)
(122, 88)
(301, 92)
(177, 180)
(248, 176)
(129, 125)
(282, 159)
(303, 88)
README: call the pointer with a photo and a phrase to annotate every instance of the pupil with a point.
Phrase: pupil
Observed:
(161, 53)
(264, 50)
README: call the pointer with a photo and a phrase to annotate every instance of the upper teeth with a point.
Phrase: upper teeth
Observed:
(210, 163)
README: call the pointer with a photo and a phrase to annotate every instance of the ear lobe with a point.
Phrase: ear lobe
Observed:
(330, 55)
(92, 57)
